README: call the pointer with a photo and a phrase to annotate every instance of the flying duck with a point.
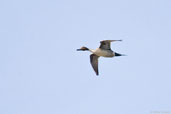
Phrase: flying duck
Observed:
(104, 50)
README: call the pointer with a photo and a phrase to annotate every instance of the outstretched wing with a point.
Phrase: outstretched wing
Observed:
(105, 44)
(94, 62)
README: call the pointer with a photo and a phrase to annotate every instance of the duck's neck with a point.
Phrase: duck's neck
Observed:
(92, 50)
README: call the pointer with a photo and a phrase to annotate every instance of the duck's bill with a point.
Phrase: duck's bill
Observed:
(79, 50)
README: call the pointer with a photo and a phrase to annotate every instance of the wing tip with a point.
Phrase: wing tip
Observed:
(97, 74)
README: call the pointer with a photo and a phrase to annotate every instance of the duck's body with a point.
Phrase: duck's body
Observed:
(104, 50)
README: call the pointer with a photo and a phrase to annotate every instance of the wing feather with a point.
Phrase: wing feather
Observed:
(105, 44)
(94, 62)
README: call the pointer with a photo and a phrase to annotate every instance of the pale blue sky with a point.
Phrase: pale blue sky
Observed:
(42, 73)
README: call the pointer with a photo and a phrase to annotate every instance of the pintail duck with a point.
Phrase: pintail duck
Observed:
(104, 50)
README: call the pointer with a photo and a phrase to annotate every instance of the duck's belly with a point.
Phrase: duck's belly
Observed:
(104, 53)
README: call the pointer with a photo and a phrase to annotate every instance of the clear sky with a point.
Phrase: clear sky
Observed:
(42, 73)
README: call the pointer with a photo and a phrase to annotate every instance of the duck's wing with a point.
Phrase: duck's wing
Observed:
(105, 44)
(94, 62)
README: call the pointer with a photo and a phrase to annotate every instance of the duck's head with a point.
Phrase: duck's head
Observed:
(83, 49)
